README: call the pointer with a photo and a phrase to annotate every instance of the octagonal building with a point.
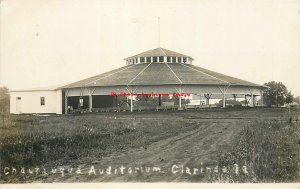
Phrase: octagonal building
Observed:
(156, 72)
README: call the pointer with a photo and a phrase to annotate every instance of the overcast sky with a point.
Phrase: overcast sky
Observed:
(55, 42)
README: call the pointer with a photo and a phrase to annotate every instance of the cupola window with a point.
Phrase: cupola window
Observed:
(168, 59)
(173, 59)
(148, 59)
(179, 59)
(161, 59)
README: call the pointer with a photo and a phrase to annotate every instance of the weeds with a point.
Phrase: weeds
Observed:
(270, 151)
(54, 141)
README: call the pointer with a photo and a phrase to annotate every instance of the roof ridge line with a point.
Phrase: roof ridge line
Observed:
(141, 53)
(174, 73)
(206, 74)
(109, 75)
(162, 50)
(138, 74)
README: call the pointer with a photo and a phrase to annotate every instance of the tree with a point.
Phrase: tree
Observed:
(277, 94)
(297, 99)
(289, 97)
(4, 102)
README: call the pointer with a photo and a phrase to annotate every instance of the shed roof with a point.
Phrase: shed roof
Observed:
(49, 88)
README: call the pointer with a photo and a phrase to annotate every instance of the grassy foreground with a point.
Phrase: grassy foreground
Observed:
(264, 140)
(270, 149)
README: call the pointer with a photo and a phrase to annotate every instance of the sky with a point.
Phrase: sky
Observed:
(57, 42)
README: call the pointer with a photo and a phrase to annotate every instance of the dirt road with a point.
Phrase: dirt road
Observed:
(194, 149)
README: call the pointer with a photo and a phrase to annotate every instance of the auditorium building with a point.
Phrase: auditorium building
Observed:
(158, 73)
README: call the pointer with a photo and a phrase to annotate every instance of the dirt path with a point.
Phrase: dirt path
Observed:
(202, 145)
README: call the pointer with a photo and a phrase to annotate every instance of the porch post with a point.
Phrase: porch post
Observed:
(116, 99)
(131, 103)
(66, 104)
(90, 102)
(179, 107)
(261, 98)
(224, 100)
(159, 100)
(207, 97)
(224, 97)
(251, 98)
(179, 102)
(66, 101)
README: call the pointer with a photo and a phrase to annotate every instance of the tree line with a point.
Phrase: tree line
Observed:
(277, 95)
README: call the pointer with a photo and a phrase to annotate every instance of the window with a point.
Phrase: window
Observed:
(161, 59)
(155, 59)
(184, 59)
(168, 59)
(42, 101)
(173, 59)
(142, 59)
(148, 59)
(136, 60)
(18, 98)
(133, 60)
(179, 59)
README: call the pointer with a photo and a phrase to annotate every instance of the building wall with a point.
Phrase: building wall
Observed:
(30, 102)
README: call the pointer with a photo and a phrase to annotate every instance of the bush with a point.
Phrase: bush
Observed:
(4, 104)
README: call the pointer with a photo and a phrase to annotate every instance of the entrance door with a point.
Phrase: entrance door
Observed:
(18, 104)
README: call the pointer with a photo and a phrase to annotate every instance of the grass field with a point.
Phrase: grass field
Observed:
(216, 145)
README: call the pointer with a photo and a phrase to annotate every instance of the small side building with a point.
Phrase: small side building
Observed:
(42, 100)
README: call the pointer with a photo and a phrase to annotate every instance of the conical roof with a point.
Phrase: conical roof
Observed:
(160, 74)
(159, 52)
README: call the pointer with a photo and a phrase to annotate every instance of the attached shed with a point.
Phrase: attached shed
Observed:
(42, 100)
